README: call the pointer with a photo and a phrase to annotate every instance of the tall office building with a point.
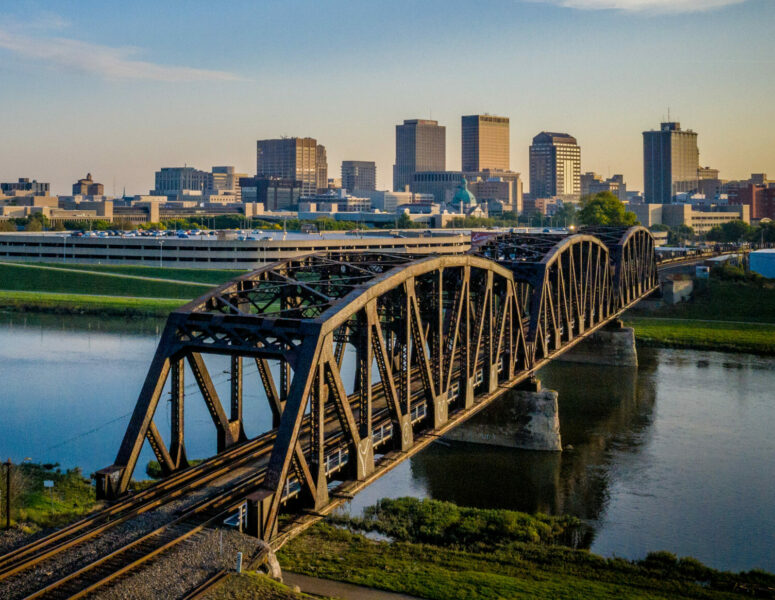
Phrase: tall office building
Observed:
(321, 169)
(226, 180)
(359, 175)
(485, 143)
(555, 166)
(302, 159)
(421, 145)
(670, 163)
(274, 193)
(177, 181)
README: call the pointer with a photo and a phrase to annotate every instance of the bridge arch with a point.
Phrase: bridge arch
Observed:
(428, 342)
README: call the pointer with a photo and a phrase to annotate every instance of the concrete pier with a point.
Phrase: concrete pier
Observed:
(522, 418)
(612, 345)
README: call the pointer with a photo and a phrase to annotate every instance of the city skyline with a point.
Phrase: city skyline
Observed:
(110, 95)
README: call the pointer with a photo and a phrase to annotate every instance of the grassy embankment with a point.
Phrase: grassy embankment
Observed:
(444, 552)
(724, 315)
(248, 586)
(103, 289)
(35, 506)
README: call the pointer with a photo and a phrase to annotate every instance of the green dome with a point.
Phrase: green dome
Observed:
(462, 197)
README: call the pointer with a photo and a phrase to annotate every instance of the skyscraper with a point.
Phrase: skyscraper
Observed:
(421, 145)
(670, 163)
(555, 166)
(321, 168)
(302, 159)
(485, 143)
(359, 175)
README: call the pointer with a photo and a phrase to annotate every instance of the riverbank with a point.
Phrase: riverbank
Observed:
(441, 551)
(722, 336)
(34, 506)
(86, 304)
(83, 289)
(733, 316)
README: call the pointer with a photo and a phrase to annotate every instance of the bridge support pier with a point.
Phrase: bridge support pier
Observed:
(268, 562)
(612, 345)
(258, 505)
(525, 417)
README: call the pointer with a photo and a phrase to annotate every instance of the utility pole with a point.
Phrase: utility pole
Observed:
(8, 494)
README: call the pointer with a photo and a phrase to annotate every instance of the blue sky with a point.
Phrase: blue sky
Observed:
(120, 89)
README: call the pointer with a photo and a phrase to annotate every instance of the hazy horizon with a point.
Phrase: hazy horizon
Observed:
(121, 90)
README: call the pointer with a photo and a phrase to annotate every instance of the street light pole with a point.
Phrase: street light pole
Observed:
(161, 246)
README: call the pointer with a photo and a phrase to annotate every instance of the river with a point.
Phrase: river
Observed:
(676, 455)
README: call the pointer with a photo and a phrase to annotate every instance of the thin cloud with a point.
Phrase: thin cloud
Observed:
(646, 6)
(105, 61)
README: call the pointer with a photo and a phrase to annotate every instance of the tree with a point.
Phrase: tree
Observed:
(566, 215)
(404, 222)
(34, 225)
(765, 232)
(7, 225)
(731, 231)
(605, 208)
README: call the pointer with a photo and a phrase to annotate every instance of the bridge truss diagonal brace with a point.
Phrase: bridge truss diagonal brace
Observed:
(286, 447)
(226, 435)
(402, 425)
(421, 351)
(114, 480)
(361, 447)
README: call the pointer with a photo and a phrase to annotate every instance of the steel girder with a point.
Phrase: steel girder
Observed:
(372, 350)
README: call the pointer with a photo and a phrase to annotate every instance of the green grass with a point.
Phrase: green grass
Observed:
(214, 276)
(73, 496)
(719, 300)
(480, 565)
(83, 304)
(20, 278)
(756, 338)
(722, 315)
(248, 586)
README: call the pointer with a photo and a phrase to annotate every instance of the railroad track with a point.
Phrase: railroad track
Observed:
(162, 493)
(109, 568)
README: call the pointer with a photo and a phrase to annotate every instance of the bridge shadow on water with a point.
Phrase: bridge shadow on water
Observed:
(602, 409)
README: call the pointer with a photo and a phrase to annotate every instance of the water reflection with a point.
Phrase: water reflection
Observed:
(600, 407)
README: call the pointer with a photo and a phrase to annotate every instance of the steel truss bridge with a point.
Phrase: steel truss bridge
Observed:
(366, 358)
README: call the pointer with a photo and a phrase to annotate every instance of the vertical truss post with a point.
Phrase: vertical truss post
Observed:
(177, 438)
(318, 438)
(235, 414)
(437, 350)
(466, 376)
(491, 332)
(405, 345)
(365, 359)
(285, 379)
